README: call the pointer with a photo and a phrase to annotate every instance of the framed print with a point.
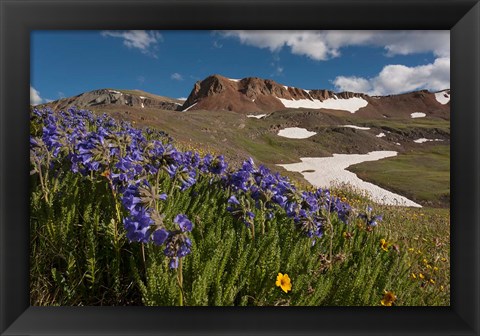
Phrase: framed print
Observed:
(301, 164)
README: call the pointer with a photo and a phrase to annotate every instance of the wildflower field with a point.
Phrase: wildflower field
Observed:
(121, 216)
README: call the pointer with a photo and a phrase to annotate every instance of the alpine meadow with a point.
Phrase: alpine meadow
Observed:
(246, 192)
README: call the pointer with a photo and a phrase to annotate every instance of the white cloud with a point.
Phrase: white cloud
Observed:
(176, 76)
(145, 41)
(326, 44)
(354, 84)
(397, 78)
(35, 98)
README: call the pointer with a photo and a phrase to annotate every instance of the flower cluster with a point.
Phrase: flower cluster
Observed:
(369, 218)
(129, 159)
(136, 162)
(177, 243)
(271, 192)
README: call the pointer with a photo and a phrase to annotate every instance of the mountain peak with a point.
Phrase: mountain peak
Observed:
(104, 97)
(254, 94)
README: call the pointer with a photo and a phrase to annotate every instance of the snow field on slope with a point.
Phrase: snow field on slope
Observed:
(351, 105)
(327, 171)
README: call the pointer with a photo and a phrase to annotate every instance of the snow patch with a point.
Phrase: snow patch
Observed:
(442, 97)
(418, 115)
(258, 116)
(422, 140)
(296, 133)
(308, 94)
(143, 106)
(142, 97)
(234, 79)
(113, 91)
(356, 127)
(380, 135)
(351, 105)
(397, 143)
(188, 108)
(325, 171)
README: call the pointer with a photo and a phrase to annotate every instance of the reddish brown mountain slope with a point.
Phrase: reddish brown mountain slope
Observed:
(256, 95)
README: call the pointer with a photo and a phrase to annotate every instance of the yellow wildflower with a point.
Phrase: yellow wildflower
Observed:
(283, 281)
(384, 244)
(414, 276)
(388, 298)
(432, 281)
(421, 276)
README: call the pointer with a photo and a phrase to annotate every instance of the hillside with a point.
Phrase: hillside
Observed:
(120, 216)
(117, 98)
(253, 95)
(411, 124)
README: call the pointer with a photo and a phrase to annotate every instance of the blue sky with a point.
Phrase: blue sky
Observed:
(168, 63)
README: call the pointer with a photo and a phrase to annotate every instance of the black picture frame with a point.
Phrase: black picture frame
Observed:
(19, 17)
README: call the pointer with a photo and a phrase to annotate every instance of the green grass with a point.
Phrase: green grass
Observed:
(422, 233)
(421, 175)
(269, 148)
(402, 123)
(80, 256)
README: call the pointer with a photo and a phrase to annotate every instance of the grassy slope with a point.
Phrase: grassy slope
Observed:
(422, 175)
(238, 137)
(424, 233)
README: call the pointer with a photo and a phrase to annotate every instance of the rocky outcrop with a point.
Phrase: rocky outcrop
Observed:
(104, 97)
(253, 94)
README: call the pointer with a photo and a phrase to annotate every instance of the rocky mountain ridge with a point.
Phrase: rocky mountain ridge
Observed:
(103, 97)
(253, 94)
(254, 88)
